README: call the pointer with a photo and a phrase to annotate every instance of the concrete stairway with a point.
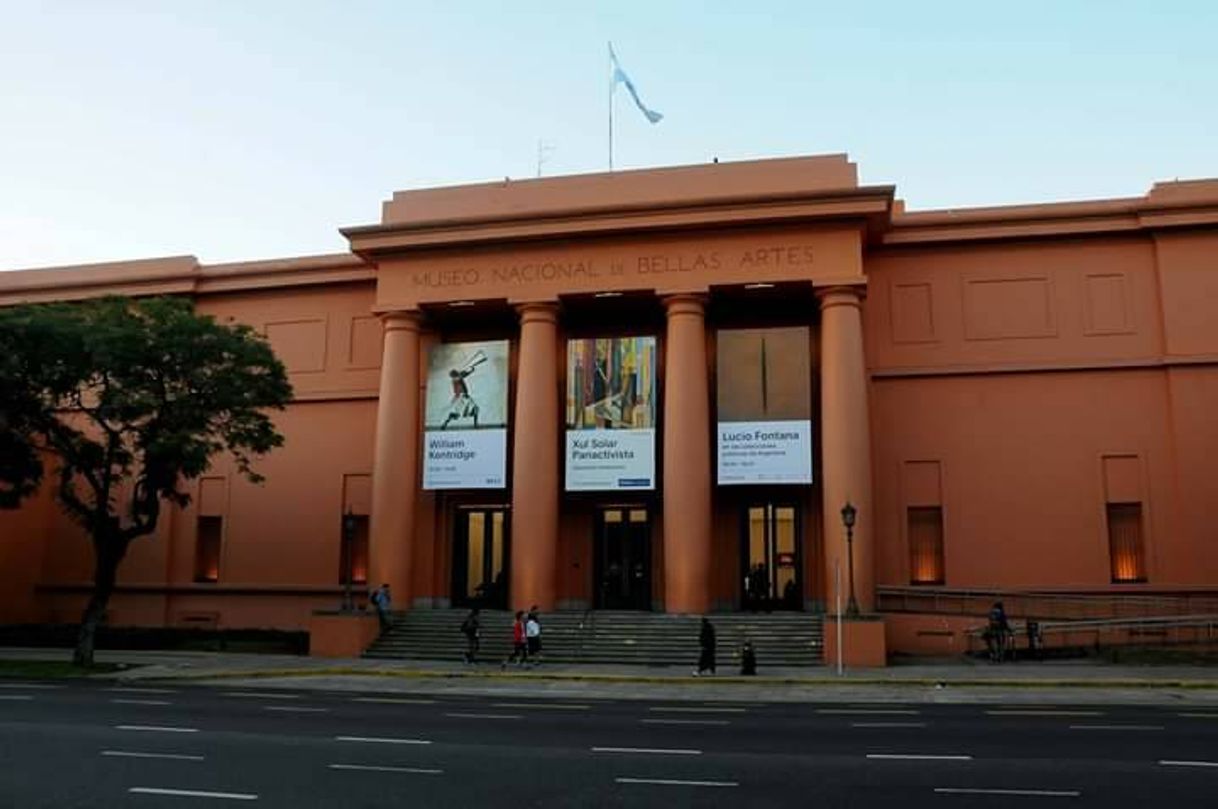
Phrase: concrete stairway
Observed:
(641, 638)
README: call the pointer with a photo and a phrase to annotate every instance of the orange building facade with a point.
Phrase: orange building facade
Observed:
(657, 390)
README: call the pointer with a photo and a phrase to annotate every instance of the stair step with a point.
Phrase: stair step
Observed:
(781, 639)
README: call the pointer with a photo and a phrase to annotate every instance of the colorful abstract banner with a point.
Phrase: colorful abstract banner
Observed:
(465, 423)
(764, 397)
(611, 413)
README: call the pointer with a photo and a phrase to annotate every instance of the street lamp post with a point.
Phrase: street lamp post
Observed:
(848, 515)
(348, 541)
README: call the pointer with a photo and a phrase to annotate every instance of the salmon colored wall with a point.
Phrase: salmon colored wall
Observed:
(1193, 397)
(1021, 473)
(1188, 277)
(22, 537)
(986, 307)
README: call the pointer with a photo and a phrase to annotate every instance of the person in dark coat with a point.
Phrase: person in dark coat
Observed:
(706, 640)
(748, 659)
(471, 628)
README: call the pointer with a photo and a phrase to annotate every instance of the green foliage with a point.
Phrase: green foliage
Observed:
(126, 400)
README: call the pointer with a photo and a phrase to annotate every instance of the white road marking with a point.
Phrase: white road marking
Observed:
(484, 716)
(916, 757)
(887, 724)
(657, 751)
(16, 697)
(30, 686)
(1040, 793)
(194, 793)
(134, 754)
(141, 702)
(294, 709)
(1116, 727)
(551, 706)
(684, 709)
(684, 721)
(371, 768)
(376, 740)
(1199, 715)
(869, 711)
(156, 728)
(1173, 763)
(674, 782)
(256, 695)
(1044, 713)
(394, 701)
(133, 690)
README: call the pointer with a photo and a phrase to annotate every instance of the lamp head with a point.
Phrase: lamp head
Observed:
(848, 514)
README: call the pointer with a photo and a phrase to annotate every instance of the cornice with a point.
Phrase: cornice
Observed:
(277, 273)
(1163, 208)
(177, 275)
(869, 204)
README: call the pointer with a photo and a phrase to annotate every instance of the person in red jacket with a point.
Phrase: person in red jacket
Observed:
(520, 649)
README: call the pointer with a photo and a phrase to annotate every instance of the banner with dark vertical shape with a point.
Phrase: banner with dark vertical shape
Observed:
(465, 421)
(764, 398)
(611, 413)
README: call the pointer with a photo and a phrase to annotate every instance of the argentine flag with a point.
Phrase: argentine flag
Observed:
(620, 77)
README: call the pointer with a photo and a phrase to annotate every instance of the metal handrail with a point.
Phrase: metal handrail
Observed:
(1046, 603)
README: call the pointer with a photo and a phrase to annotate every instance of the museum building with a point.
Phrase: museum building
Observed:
(664, 389)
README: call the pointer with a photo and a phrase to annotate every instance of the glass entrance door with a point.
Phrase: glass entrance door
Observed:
(480, 556)
(623, 559)
(770, 558)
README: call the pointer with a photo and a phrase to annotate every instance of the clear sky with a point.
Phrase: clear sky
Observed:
(255, 128)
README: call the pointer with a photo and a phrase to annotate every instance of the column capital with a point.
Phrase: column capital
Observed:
(407, 319)
(537, 312)
(841, 295)
(685, 303)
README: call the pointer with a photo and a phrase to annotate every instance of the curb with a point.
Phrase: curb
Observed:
(920, 682)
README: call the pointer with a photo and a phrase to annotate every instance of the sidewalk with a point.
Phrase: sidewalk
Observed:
(948, 680)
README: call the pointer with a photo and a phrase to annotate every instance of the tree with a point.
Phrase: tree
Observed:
(123, 401)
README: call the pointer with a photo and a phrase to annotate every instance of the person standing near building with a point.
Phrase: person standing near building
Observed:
(706, 641)
(998, 632)
(532, 631)
(471, 628)
(520, 654)
(384, 605)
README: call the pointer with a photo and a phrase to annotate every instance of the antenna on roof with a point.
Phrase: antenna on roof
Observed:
(544, 150)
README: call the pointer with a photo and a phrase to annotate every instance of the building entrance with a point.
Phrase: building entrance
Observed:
(480, 557)
(771, 557)
(623, 558)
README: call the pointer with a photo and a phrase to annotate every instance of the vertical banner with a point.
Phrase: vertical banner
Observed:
(465, 424)
(764, 397)
(611, 413)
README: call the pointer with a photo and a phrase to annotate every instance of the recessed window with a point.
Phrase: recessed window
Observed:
(925, 524)
(353, 551)
(209, 531)
(1125, 549)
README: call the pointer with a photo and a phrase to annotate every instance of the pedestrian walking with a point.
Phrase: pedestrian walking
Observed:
(383, 602)
(532, 633)
(706, 641)
(520, 652)
(471, 628)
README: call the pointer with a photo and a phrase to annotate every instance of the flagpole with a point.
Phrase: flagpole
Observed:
(611, 79)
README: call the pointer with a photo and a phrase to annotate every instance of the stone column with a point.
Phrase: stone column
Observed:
(687, 465)
(536, 479)
(395, 471)
(846, 443)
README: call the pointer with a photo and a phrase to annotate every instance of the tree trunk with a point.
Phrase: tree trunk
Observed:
(108, 557)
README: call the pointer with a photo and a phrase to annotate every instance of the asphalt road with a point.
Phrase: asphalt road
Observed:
(92, 744)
